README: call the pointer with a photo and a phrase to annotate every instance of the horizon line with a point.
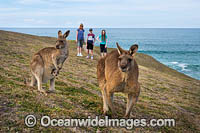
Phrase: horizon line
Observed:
(114, 27)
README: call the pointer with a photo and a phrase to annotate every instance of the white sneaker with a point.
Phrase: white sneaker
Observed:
(80, 54)
(88, 57)
(92, 57)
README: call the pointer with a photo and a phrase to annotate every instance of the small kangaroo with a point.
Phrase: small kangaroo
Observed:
(118, 72)
(46, 63)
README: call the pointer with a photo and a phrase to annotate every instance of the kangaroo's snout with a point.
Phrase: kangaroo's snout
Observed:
(123, 67)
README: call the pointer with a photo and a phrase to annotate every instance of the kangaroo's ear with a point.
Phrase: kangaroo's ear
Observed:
(59, 33)
(133, 49)
(120, 50)
(66, 34)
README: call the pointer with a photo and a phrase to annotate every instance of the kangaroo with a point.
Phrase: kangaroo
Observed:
(118, 72)
(46, 63)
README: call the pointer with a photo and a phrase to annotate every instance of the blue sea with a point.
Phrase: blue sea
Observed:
(177, 48)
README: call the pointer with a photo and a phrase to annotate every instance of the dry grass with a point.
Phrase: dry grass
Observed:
(165, 93)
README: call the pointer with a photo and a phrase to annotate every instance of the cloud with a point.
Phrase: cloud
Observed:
(8, 9)
(27, 2)
(34, 21)
(129, 13)
(28, 20)
(30, 1)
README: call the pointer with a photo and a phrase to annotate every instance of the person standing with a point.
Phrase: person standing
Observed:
(90, 44)
(103, 43)
(80, 39)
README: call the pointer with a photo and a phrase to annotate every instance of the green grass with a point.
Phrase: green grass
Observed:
(165, 93)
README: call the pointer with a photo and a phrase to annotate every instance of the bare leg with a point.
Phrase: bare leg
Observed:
(78, 50)
(131, 100)
(91, 51)
(33, 80)
(52, 85)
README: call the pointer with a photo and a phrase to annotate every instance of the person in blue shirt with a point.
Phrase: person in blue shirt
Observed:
(80, 39)
(103, 43)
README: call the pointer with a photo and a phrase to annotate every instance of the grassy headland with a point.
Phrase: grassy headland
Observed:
(165, 93)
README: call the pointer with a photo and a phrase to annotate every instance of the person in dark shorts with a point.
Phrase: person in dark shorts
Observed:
(90, 44)
(80, 39)
(103, 43)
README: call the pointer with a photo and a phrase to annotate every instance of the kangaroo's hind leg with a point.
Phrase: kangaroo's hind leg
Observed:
(33, 81)
(39, 82)
(131, 100)
(105, 101)
(37, 69)
(112, 97)
(110, 102)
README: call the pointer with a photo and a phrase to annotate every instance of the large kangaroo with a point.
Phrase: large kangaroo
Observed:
(46, 64)
(118, 72)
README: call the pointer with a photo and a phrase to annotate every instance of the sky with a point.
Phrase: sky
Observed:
(100, 13)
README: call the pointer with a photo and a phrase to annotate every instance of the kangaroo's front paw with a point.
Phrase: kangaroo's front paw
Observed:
(59, 68)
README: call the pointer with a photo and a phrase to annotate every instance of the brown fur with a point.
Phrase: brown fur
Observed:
(118, 72)
(46, 63)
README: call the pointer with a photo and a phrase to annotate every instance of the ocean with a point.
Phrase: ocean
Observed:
(177, 48)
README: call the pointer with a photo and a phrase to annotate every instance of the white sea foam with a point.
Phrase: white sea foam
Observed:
(174, 62)
(183, 66)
